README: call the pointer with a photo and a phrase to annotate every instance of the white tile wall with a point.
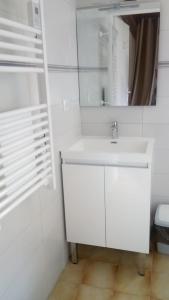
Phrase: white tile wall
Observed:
(30, 282)
(61, 40)
(148, 121)
(33, 250)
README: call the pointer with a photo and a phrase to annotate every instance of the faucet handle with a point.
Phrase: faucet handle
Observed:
(114, 129)
(114, 124)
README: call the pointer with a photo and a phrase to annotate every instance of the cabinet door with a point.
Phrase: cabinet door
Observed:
(127, 193)
(84, 204)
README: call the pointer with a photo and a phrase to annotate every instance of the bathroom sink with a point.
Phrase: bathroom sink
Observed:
(107, 151)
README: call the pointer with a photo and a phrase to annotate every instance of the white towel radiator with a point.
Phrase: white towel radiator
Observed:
(26, 139)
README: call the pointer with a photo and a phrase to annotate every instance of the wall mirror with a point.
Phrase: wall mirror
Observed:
(118, 55)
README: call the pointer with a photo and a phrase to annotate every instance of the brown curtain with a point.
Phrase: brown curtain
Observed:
(144, 63)
(143, 91)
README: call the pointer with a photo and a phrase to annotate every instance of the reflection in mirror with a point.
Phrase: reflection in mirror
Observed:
(118, 58)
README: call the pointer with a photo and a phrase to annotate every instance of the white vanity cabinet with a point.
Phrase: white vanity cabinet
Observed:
(127, 198)
(107, 192)
(107, 206)
(84, 204)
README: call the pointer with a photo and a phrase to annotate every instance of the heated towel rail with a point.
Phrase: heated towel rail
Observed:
(28, 44)
(26, 140)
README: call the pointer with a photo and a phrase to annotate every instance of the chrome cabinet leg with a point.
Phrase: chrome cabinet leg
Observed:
(73, 252)
(141, 264)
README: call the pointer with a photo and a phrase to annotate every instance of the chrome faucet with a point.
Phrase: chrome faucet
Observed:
(114, 129)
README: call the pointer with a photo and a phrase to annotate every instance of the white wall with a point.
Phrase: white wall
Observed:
(33, 250)
(148, 121)
(83, 3)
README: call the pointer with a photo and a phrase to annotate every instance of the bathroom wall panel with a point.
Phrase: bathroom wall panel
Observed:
(104, 129)
(156, 115)
(61, 23)
(162, 85)
(20, 251)
(105, 115)
(164, 10)
(161, 161)
(164, 45)
(159, 132)
(30, 282)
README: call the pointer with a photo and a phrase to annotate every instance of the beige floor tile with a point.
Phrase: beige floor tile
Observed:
(121, 296)
(100, 274)
(85, 251)
(91, 293)
(160, 286)
(156, 299)
(106, 255)
(128, 281)
(161, 263)
(74, 273)
(64, 291)
(132, 259)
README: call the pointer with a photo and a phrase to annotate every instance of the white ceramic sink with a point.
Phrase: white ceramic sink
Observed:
(106, 151)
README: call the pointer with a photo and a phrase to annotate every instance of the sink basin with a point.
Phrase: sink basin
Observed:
(107, 151)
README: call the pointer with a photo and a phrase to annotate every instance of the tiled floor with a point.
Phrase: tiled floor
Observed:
(105, 274)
